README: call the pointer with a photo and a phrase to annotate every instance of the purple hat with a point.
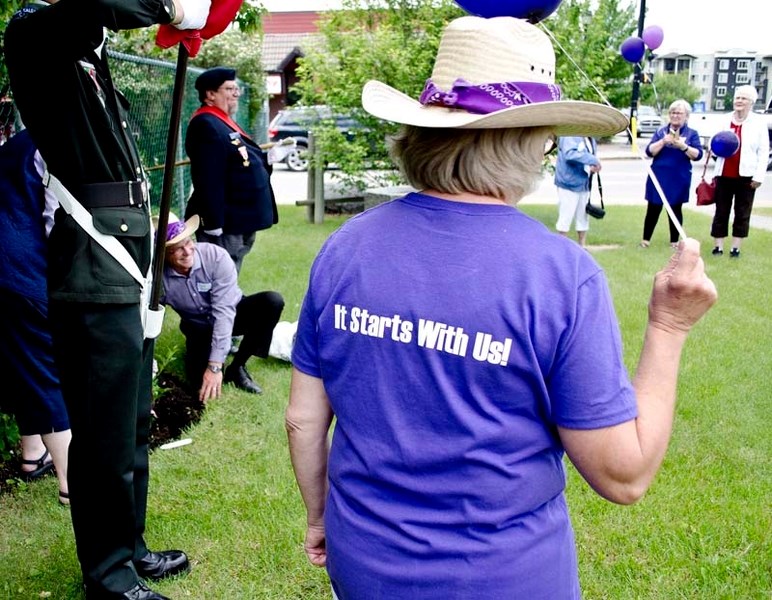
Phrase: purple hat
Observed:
(177, 231)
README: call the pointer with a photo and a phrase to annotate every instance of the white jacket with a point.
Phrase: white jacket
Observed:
(754, 149)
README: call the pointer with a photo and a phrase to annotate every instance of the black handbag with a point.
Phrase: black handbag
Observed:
(595, 211)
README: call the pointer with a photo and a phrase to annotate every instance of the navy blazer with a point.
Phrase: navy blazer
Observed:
(231, 178)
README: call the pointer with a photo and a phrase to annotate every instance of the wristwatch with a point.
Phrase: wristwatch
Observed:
(686, 149)
(170, 9)
(214, 368)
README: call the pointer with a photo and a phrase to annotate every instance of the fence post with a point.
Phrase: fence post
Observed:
(310, 179)
(318, 186)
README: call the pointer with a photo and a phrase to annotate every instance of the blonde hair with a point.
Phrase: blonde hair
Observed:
(500, 163)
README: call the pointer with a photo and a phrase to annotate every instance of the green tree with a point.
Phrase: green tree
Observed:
(6, 12)
(394, 41)
(666, 88)
(586, 36)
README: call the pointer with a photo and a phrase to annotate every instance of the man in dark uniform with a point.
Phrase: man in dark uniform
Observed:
(65, 95)
(231, 176)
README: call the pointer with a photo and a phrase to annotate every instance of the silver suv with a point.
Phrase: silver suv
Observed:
(296, 122)
(648, 119)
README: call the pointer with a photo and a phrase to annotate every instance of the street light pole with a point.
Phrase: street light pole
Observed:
(636, 84)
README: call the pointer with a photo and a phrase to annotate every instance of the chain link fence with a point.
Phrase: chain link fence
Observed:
(148, 85)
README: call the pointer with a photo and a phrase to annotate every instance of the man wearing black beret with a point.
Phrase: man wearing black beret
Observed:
(232, 191)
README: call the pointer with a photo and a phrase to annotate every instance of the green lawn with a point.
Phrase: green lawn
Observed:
(702, 532)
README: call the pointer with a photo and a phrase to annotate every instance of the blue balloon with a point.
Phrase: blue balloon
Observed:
(633, 49)
(530, 10)
(725, 144)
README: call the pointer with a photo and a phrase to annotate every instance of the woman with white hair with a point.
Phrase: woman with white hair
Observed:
(740, 175)
(673, 147)
(450, 334)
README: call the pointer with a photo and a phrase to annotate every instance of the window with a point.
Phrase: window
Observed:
(669, 65)
(723, 64)
(705, 64)
(683, 64)
(722, 78)
(743, 64)
(704, 78)
(720, 91)
(718, 105)
(742, 78)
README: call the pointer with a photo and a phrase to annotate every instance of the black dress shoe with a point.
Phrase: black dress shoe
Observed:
(239, 377)
(157, 565)
(138, 592)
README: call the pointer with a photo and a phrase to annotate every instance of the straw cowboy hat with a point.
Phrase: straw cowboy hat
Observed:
(176, 230)
(492, 74)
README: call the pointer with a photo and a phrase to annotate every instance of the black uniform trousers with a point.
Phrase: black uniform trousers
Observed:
(256, 317)
(98, 348)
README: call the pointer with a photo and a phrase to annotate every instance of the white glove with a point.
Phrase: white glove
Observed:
(194, 13)
(214, 232)
(280, 151)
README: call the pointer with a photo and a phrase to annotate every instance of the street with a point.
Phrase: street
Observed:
(623, 177)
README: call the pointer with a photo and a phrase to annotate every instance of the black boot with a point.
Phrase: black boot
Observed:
(157, 565)
(238, 376)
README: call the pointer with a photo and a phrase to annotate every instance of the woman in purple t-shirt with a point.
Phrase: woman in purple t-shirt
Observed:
(448, 333)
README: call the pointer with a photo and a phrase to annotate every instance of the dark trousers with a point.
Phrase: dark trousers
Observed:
(652, 216)
(738, 189)
(256, 317)
(105, 367)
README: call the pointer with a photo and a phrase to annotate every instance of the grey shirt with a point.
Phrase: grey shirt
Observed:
(208, 295)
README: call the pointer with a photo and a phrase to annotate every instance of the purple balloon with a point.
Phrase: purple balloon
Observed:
(653, 36)
(725, 144)
(632, 49)
(530, 10)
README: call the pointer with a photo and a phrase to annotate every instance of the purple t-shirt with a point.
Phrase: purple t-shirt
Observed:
(452, 339)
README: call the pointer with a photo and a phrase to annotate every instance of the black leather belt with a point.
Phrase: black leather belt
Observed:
(113, 194)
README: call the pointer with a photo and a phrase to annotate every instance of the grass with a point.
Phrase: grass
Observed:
(702, 532)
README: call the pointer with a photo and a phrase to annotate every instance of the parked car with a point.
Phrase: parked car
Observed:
(296, 123)
(648, 120)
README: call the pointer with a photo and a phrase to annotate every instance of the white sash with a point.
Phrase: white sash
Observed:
(152, 320)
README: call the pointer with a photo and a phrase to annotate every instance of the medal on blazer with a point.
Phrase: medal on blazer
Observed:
(236, 141)
(244, 155)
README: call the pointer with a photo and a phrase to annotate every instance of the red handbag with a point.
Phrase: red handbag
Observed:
(706, 191)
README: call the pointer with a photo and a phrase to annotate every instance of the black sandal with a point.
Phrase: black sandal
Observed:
(64, 498)
(43, 468)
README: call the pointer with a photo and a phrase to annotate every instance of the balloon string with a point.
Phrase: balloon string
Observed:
(636, 151)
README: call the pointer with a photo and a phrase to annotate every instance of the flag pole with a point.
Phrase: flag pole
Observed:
(168, 180)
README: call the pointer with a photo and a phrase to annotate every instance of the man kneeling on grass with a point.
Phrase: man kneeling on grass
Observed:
(200, 284)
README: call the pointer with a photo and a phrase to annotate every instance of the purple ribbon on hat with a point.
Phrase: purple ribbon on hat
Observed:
(484, 98)
(174, 229)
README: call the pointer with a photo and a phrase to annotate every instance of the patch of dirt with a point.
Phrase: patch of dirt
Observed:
(175, 409)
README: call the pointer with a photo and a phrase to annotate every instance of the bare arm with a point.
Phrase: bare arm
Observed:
(307, 420)
(620, 462)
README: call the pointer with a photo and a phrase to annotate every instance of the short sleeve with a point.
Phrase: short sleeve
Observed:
(589, 385)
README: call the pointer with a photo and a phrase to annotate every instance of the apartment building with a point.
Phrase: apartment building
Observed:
(718, 74)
